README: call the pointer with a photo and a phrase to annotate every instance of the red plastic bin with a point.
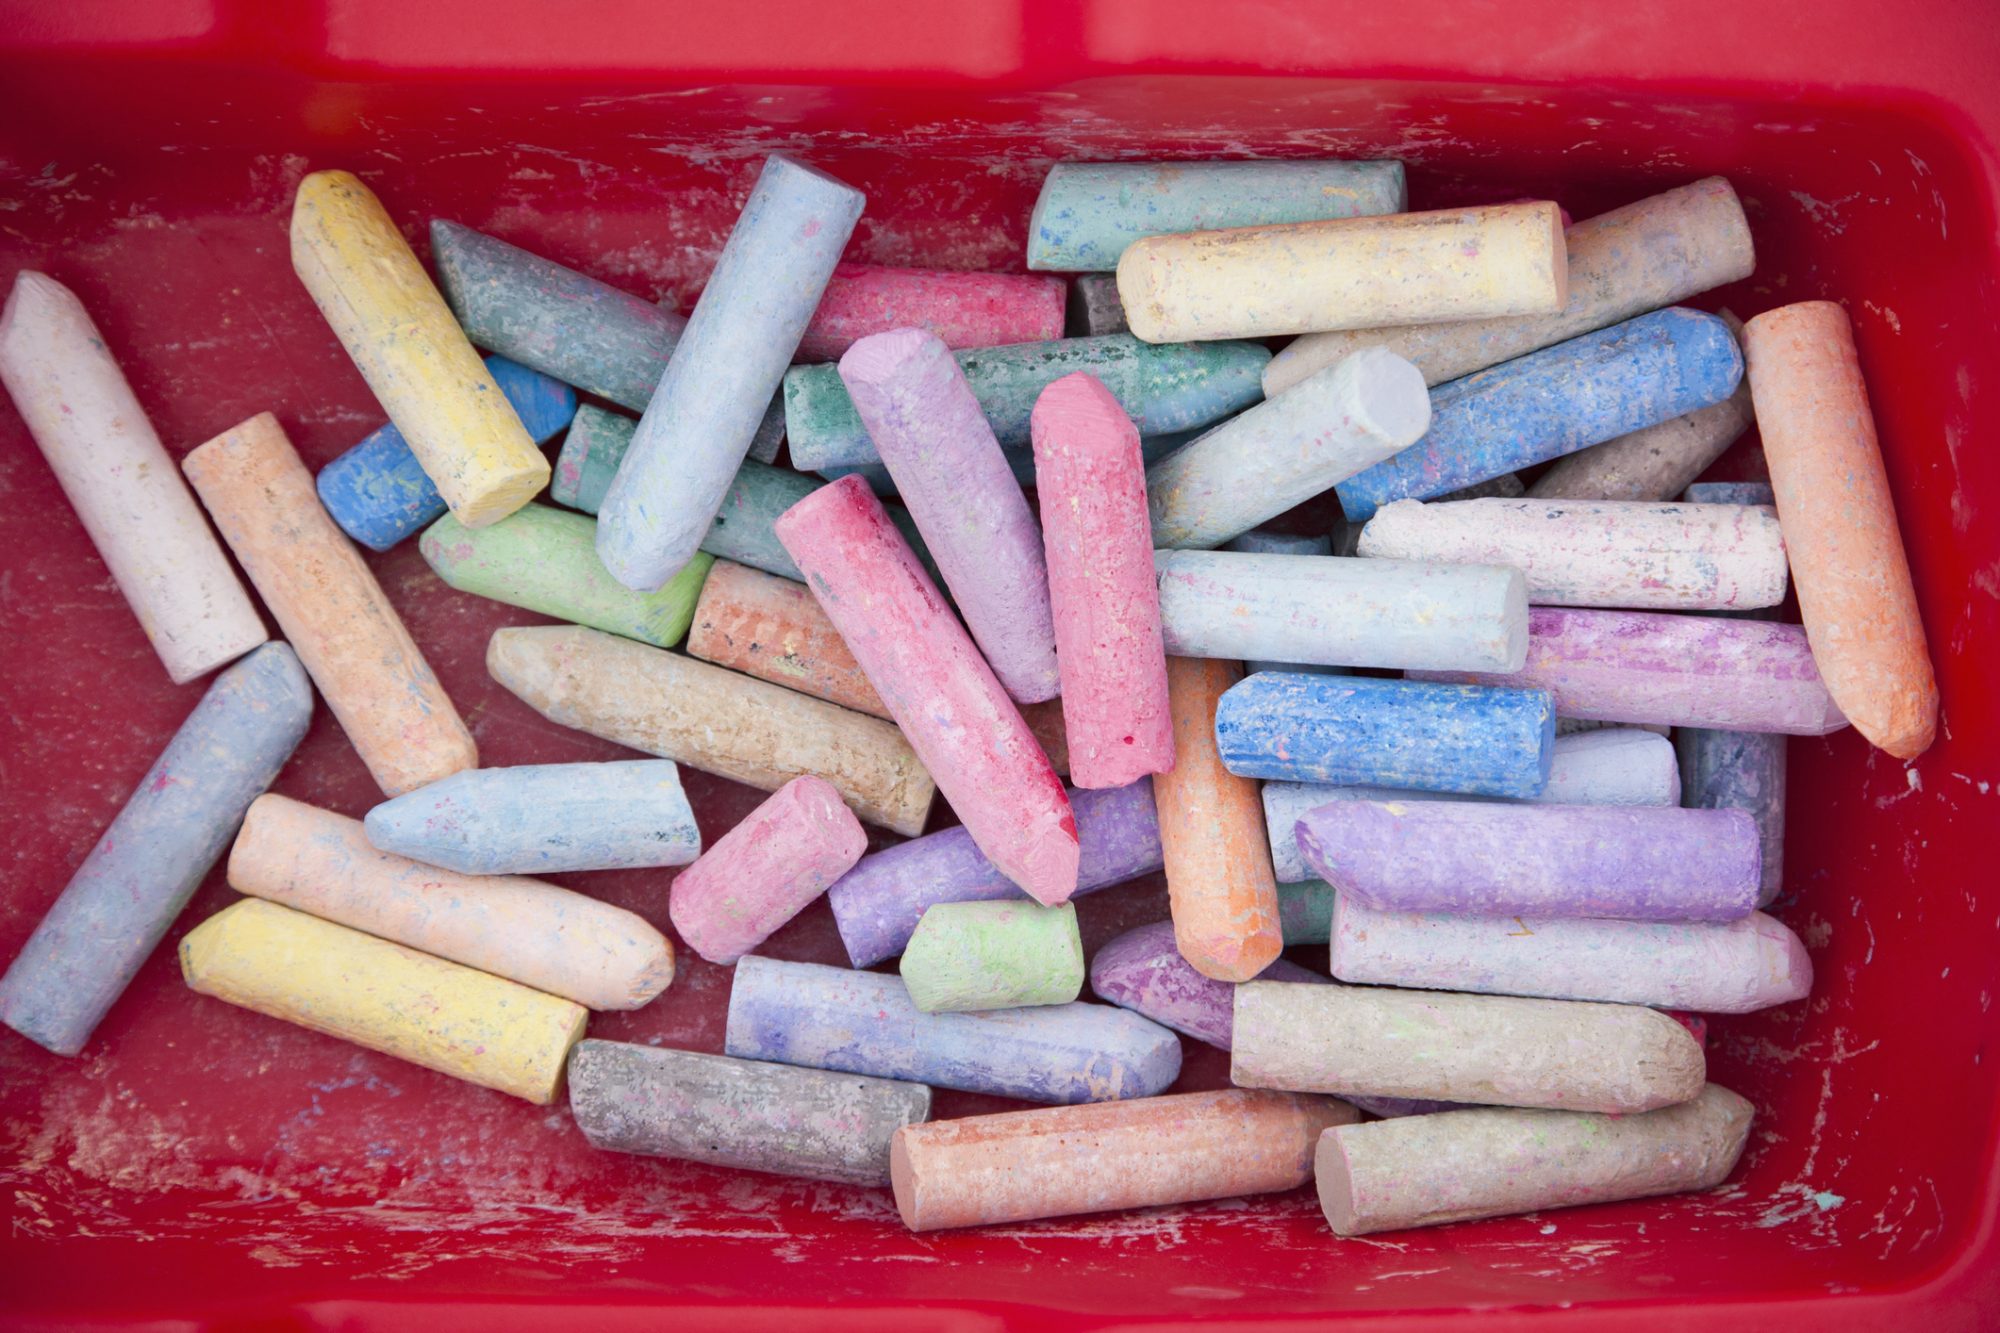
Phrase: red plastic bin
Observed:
(201, 1166)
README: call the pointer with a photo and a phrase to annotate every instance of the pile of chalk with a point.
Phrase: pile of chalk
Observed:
(1508, 742)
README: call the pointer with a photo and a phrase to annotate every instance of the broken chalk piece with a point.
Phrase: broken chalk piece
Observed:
(1143, 970)
(974, 956)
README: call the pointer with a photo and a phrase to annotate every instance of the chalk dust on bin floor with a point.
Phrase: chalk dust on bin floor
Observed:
(1522, 910)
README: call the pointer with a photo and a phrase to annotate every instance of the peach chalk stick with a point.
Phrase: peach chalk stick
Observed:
(409, 347)
(1423, 1170)
(1490, 1050)
(1091, 481)
(119, 479)
(1348, 273)
(525, 930)
(1223, 894)
(336, 616)
(714, 720)
(1653, 253)
(1853, 576)
(941, 692)
(764, 872)
(327, 978)
(1106, 1156)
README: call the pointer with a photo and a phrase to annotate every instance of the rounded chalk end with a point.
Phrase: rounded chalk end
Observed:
(1386, 396)
(1335, 1184)
(1137, 293)
(1784, 968)
(903, 1181)
(502, 492)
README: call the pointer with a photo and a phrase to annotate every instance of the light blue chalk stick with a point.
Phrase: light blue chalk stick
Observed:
(1284, 543)
(156, 852)
(1554, 402)
(1090, 211)
(1363, 731)
(865, 1023)
(731, 359)
(543, 818)
(379, 493)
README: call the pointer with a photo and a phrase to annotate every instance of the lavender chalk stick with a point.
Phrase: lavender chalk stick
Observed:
(154, 855)
(1142, 970)
(730, 360)
(1282, 543)
(1638, 863)
(1554, 402)
(1617, 766)
(1733, 967)
(1360, 731)
(540, 819)
(1337, 611)
(745, 1114)
(877, 904)
(864, 1023)
(379, 493)
(1681, 671)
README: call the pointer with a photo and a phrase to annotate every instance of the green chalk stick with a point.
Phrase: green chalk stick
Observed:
(993, 955)
(1305, 912)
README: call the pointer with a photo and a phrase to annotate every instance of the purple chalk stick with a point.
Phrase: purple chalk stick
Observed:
(1142, 970)
(878, 903)
(1640, 863)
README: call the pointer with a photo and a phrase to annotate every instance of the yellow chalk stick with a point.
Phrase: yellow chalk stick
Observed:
(443, 1016)
(404, 340)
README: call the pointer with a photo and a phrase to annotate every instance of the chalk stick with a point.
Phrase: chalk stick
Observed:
(543, 819)
(544, 559)
(1425, 1170)
(379, 493)
(745, 1114)
(949, 470)
(329, 979)
(1094, 307)
(714, 720)
(1143, 970)
(1733, 967)
(1496, 1050)
(960, 309)
(1636, 862)
(1623, 553)
(864, 1023)
(947, 701)
(563, 323)
(153, 856)
(1349, 273)
(1305, 910)
(1853, 575)
(877, 904)
(407, 344)
(1556, 401)
(1679, 671)
(1212, 841)
(1616, 766)
(1059, 1161)
(731, 358)
(1089, 212)
(1286, 450)
(1162, 389)
(1646, 255)
(774, 629)
(545, 937)
(116, 474)
(1740, 770)
(1259, 542)
(1651, 463)
(1098, 540)
(1730, 493)
(1402, 614)
(1361, 731)
(1506, 486)
(326, 600)
(972, 957)
(765, 871)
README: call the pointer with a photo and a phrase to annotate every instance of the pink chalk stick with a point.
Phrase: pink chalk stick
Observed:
(1098, 536)
(962, 309)
(935, 684)
(955, 481)
(763, 872)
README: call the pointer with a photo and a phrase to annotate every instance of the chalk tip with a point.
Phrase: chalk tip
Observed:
(1335, 1183)
(1232, 957)
(35, 298)
(903, 1182)
(882, 357)
(1784, 968)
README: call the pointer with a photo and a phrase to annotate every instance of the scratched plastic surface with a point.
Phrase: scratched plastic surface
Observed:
(200, 1165)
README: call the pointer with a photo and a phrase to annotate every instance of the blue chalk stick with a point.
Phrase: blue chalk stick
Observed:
(1554, 402)
(379, 493)
(1363, 731)
(865, 1023)
(1730, 493)
(543, 818)
(150, 861)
